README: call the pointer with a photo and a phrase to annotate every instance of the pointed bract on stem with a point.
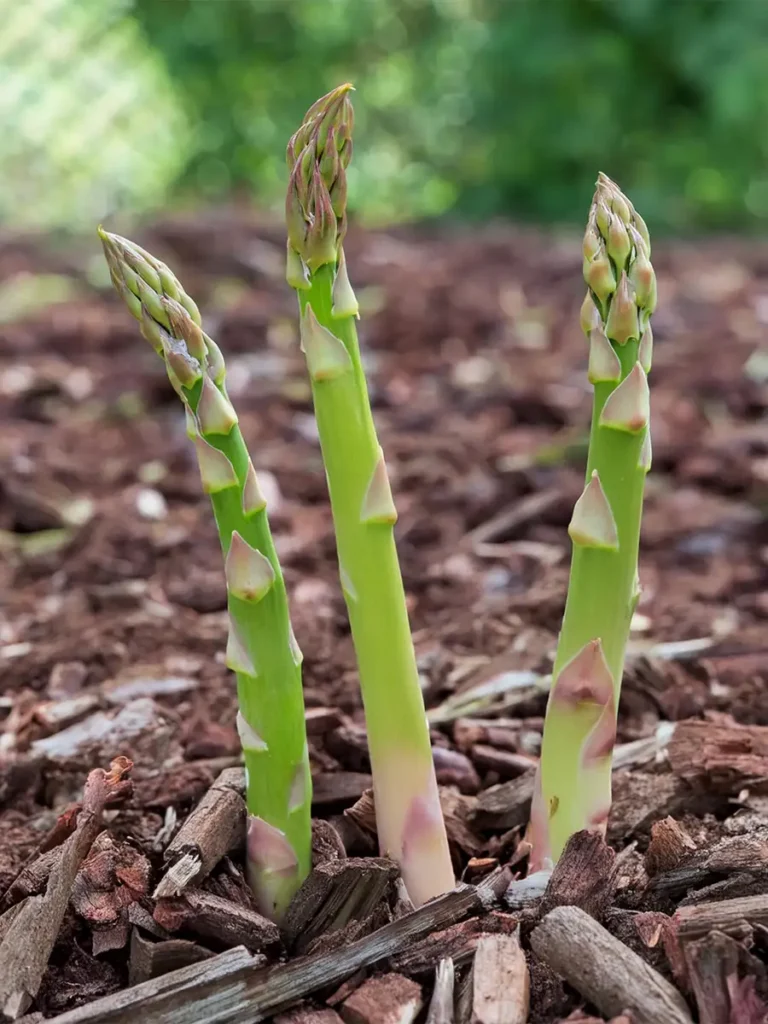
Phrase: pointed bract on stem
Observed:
(592, 523)
(261, 648)
(574, 780)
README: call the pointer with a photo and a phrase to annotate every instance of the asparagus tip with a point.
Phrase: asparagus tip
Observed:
(318, 154)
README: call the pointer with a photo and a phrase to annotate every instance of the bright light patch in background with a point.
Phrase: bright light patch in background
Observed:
(89, 121)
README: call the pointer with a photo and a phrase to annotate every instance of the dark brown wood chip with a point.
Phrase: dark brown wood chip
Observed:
(583, 876)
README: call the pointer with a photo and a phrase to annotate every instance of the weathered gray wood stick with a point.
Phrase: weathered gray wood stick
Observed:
(604, 970)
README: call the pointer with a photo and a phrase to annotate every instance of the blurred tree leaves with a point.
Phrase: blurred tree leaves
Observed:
(88, 117)
(472, 107)
(488, 106)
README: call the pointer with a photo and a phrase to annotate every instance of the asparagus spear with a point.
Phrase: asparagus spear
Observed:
(408, 814)
(261, 649)
(574, 790)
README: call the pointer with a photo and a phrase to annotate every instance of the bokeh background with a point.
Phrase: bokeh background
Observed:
(467, 108)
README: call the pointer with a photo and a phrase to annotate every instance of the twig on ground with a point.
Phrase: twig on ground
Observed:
(212, 830)
(31, 936)
(604, 970)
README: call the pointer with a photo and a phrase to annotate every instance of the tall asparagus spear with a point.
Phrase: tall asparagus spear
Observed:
(580, 728)
(408, 815)
(261, 649)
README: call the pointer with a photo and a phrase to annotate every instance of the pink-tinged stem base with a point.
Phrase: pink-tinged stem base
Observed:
(410, 823)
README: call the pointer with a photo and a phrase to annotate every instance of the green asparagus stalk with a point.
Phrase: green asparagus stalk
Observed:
(574, 786)
(261, 649)
(408, 815)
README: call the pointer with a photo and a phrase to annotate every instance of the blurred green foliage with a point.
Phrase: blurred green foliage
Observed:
(488, 106)
(470, 107)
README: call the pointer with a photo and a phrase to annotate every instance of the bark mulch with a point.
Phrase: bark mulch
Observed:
(121, 797)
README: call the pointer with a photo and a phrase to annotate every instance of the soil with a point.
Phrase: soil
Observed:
(112, 605)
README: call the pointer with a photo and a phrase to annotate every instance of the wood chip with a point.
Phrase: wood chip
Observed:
(501, 985)
(715, 964)
(31, 880)
(505, 806)
(441, 1004)
(505, 525)
(390, 999)
(213, 917)
(729, 916)
(32, 933)
(212, 830)
(605, 971)
(640, 799)
(457, 943)
(505, 762)
(338, 787)
(670, 845)
(720, 756)
(455, 769)
(153, 959)
(336, 893)
(583, 876)
(303, 1016)
(320, 721)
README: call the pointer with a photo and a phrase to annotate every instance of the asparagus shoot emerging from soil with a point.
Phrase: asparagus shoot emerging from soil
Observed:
(580, 725)
(408, 815)
(261, 650)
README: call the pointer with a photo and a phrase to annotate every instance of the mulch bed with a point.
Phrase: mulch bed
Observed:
(112, 625)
